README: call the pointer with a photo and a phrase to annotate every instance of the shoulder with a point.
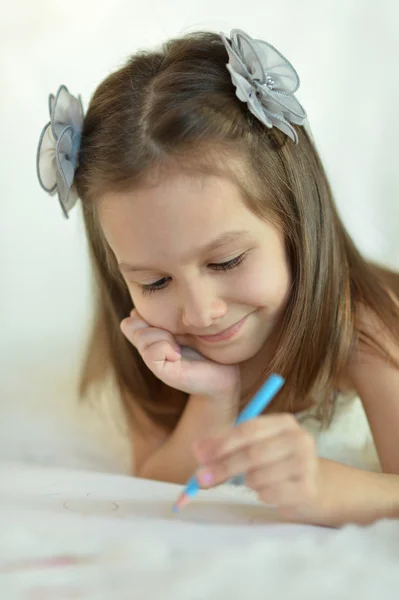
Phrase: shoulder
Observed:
(374, 339)
(373, 367)
(374, 372)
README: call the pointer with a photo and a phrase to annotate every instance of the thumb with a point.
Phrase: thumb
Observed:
(190, 354)
(182, 340)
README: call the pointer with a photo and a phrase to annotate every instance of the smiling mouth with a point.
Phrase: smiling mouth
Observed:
(224, 335)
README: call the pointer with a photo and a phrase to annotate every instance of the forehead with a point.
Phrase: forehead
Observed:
(180, 210)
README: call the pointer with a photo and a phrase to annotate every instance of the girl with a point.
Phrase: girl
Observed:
(219, 257)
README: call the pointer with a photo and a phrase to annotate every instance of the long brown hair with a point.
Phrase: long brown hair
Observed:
(176, 108)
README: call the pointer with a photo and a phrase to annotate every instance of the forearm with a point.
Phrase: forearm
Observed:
(349, 495)
(203, 415)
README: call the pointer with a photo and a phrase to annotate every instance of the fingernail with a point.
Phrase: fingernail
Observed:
(205, 477)
(177, 348)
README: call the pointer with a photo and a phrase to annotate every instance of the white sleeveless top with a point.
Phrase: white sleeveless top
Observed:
(348, 438)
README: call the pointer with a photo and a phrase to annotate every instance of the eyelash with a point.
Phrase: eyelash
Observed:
(225, 266)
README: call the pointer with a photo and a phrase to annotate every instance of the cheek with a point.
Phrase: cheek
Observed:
(267, 283)
(156, 310)
(279, 285)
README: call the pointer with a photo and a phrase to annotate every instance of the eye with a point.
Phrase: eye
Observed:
(163, 283)
(157, 285)
(230, 264)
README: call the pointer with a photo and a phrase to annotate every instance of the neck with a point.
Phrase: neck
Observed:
(252, 370)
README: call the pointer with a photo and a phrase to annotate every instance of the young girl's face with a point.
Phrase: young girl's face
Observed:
(200, 264)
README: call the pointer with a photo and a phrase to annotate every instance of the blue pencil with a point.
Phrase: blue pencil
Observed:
(253, 409)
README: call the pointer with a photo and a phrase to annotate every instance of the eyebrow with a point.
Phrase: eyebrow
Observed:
(222, 240)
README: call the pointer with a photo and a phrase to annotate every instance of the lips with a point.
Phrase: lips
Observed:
(224, 335)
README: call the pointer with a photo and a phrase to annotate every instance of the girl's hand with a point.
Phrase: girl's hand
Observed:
(277, 456)
(180, 367)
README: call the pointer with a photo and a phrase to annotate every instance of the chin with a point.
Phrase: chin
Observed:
(229, 355)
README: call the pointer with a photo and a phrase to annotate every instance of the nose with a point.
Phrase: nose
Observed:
(201, 306)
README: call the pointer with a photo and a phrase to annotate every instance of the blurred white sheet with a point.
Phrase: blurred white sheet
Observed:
(73, 534)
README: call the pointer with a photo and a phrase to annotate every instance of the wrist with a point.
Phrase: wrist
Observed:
(217, 409)
(231, 394)
(351, 495)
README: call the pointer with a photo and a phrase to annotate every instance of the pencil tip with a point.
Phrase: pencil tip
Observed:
(178, 504)
(182, 501)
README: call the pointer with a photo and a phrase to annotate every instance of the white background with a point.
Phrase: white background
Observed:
(346, 54)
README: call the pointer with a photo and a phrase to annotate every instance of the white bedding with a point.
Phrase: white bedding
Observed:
(115, 537)
(137, 551)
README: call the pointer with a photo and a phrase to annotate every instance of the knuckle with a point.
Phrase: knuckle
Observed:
(307, 442)
(251, 453)
(250, 479)
(224, 470)
(131, 336)
(253, 480)
(137, 337)
(238, 436)
(301, 465)
(310, 443)
(156, 350)
(306, 489)
(171, 339)
(303, 440)
(246, 429)
(268, 495)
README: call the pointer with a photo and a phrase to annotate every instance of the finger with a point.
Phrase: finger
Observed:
(159, 352)
(289, 494)
(283, 493)
(142, 336)
(130, 325)
(256, 430)
(191, 354)
(247, 459)
(290, 468)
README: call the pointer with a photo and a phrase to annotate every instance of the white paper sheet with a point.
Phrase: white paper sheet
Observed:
(84, 495)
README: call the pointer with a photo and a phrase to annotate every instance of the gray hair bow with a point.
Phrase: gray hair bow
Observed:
(57, 152)
(265, 80)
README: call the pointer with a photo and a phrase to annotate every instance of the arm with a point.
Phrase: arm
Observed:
(349, 495)
(353, 495)
(174, 461)
(214, 391)
(279, 457)
(377, 383)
